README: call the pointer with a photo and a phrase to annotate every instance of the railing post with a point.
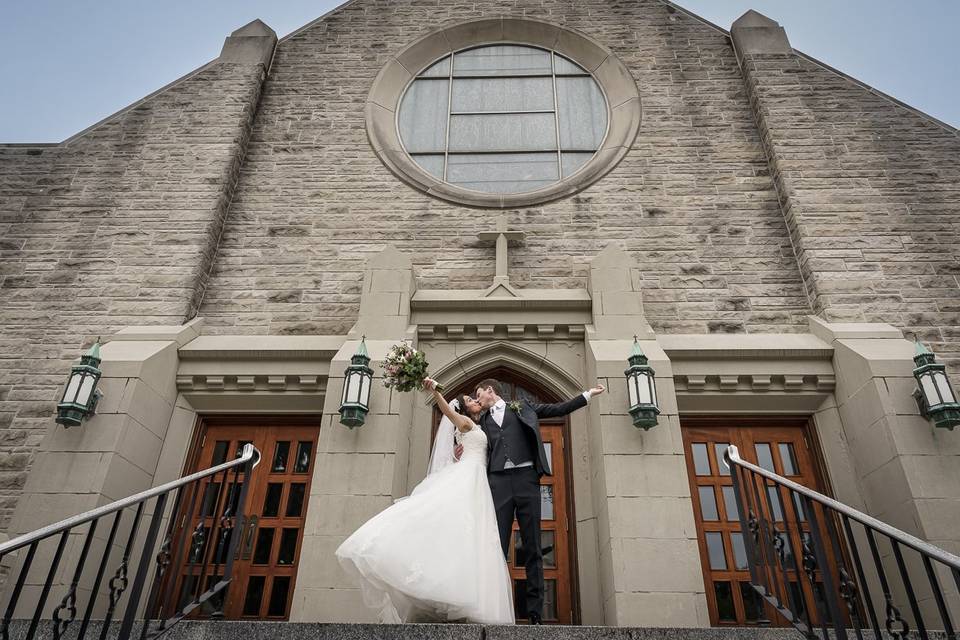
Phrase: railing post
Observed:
(133, 601)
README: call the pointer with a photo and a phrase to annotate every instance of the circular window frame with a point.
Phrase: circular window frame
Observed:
(615, 81)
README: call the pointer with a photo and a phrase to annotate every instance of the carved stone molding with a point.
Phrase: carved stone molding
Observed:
(755, 383)
(251, 383)
(538, 331)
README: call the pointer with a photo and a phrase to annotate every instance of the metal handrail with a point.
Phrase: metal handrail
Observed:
(806, 563)
(903, 537)
(249, 451)
(205, 548)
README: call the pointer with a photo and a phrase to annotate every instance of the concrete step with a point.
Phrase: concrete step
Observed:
(235, 630)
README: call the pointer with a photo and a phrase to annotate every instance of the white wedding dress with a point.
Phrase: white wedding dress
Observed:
(435, 555)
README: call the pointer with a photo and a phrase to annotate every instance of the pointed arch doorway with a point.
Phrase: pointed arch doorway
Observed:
(558, 523)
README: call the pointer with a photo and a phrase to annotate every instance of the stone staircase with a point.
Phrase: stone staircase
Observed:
(232, 630)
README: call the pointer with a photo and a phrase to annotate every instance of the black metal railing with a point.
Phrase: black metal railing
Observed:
(223, 500)
(827, 568)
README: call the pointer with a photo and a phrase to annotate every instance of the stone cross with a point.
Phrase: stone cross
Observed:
(502, 238)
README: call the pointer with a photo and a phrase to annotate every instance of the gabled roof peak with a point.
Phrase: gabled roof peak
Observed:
(255, 27)
(754, 19)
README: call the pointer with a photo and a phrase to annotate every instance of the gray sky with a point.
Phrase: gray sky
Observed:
(69, 63)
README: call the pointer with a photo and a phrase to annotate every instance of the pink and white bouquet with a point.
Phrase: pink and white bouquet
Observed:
(404, 368)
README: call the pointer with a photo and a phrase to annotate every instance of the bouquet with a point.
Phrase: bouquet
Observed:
(405, 368)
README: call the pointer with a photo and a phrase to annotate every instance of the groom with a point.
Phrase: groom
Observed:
(516, 460)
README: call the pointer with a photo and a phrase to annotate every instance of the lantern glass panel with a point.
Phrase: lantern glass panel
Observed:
(653, 391)
(346, 389)
(929, 389)
(946, 393)
(363, 395)
(354, 390)
(645, 397)
(72, 386)
(86, 389)
(632, 389)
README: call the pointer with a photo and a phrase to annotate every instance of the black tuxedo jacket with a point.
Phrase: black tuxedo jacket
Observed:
(529, 418)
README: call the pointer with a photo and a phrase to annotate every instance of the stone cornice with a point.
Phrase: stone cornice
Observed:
(257, 348)
(478, 300)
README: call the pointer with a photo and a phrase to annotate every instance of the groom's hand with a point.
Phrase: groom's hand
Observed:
(597, 390)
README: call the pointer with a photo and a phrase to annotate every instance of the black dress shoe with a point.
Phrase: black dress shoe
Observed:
(535, 618)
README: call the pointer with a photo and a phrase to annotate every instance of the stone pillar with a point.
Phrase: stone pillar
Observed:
(360, 471)
(649, 558)
(907, 470)
(112, 455)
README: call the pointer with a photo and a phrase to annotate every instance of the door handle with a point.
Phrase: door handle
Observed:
(248, 531)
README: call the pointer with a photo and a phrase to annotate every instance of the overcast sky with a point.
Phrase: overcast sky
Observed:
(67, 64)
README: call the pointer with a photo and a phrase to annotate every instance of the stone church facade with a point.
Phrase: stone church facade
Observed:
(775, 233)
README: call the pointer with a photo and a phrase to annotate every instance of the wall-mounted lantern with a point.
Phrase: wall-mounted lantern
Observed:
(641, 389)
(80, 396)
(934, 394)
(355, 402)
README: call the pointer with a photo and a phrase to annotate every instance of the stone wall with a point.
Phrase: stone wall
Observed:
(115, 227)
(869, 192)
(692, 203)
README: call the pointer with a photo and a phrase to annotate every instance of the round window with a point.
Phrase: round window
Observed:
(502, 118)
(502, 112)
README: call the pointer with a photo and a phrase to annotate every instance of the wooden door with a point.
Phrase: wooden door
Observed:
(265, 564)
(558, 534)
(554, 538)
(783, 449)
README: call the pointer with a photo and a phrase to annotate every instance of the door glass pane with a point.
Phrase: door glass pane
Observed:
(701, 463)
(730, 504)
(548, 449)
(546, 502)
(519, 555)
(304, 450)
(739, 551)
(562, 66)
(775, 504)
(295, 500)
(719, 448)
(764, 456)
(788, 459)
(423, 116)
(752, 603)
(288, 546)
(718, 557)
(798, 505)
(725, 609)
(502, 60)
(432, 164)
(251, 603)
(549, 599)
(708, 503)
(548, 547)
(520, 598)
(220, 452)
(210, 495)
(280, 454)
(572, 162)
(502, 172)
(271, 501)
(582, 112)
(504, 133)
(797, 600)
(502, 94)
(278, 596)
(261, 553)
(787, 550)
(198, 546)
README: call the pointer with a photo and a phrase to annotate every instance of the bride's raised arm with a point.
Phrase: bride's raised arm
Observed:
(461, 421)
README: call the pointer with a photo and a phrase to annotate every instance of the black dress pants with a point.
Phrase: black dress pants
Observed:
(517, 492)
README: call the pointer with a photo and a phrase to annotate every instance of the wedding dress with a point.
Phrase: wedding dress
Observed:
(435, 555)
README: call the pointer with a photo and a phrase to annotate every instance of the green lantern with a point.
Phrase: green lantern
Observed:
(641, 389)
(355, 401)
(934, 394)
(80, 396)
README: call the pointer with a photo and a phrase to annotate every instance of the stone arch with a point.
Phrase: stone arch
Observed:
(516, 357)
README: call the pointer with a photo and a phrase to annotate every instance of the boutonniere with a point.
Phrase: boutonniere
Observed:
(515, 407)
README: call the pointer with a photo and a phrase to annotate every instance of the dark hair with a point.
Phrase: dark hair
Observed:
(462, 401)
(491, 383)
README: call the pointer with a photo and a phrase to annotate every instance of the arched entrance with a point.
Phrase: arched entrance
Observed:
(558, 530)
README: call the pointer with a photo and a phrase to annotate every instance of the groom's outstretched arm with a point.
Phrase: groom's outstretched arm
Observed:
(571, 405)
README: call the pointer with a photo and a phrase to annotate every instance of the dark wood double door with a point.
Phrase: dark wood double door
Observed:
(265, 563)
(783, 447)
(556, 510)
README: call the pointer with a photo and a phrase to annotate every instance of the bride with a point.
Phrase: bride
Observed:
(435, 555)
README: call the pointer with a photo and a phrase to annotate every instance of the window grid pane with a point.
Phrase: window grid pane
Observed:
(502, 99)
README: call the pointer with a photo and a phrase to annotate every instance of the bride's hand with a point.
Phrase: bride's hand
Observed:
(429, 384)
